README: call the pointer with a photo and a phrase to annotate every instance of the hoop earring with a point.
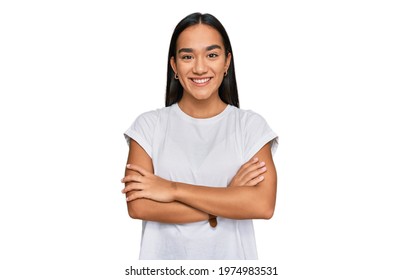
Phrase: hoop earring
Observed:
(226, 73)
(176, 76)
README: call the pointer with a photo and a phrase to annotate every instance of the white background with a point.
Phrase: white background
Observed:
(325, 74)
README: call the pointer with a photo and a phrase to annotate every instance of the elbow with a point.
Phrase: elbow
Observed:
(267, 213)
(266, 207)
(137, 209)
(261, 212)
(134, 212)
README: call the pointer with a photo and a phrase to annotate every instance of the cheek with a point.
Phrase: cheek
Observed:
(220, 68)
(183, 67)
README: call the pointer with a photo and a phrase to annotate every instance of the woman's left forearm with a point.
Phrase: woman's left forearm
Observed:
(257, 202)
(237, 201)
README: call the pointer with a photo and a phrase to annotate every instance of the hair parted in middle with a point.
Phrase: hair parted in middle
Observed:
(228, 89)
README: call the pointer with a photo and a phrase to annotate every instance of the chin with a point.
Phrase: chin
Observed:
(200, 97)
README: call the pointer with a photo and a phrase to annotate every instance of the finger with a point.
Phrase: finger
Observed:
(256, 180)
(243, 169)
(252, 174)
(132, 187)
(251, 170)
(255, 166)
(139, 169)
(135, 195)
(132, 178)
(250, 163)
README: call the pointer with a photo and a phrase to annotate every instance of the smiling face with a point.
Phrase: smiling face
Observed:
(200, 62)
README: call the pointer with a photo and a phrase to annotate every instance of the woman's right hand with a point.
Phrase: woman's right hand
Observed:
(249, 174)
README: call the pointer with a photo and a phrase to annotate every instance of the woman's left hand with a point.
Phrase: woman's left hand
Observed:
(147, 185)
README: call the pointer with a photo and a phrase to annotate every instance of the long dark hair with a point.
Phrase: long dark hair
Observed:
(228, 88)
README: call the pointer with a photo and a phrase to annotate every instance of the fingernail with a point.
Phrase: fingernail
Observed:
(263, 169)
(128, 165)
(256, 159)
(262, 163)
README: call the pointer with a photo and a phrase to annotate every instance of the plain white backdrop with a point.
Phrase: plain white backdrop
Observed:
(325, 74)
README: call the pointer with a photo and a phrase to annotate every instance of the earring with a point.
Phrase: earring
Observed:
(176, 76)
(226, 73)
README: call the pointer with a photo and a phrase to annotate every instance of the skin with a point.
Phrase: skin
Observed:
(201, 64)
(200, 55)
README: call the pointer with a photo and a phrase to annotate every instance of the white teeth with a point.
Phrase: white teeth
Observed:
(201, 81)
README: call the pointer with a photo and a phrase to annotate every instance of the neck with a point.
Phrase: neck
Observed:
(202, 109)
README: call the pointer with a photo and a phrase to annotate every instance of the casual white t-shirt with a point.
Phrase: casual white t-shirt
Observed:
(205, 152)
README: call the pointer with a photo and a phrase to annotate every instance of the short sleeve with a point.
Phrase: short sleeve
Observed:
(257, 133)
(142, 130)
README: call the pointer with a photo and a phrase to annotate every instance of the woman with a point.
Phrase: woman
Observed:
(200, 169)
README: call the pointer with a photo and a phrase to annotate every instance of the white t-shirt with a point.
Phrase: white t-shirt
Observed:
(206, 152)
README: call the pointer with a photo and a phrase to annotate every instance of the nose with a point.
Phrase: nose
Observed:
(200, 66)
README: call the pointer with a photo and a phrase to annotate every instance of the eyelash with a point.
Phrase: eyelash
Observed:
(211, 55)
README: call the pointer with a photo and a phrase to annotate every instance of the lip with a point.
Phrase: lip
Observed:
(200, 81)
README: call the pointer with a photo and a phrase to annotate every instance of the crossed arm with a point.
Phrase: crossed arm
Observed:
(250, 195)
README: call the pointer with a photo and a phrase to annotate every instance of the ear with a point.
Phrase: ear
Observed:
(228, 60)
(173, 64)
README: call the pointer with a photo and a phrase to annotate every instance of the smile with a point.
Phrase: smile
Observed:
(201, 81)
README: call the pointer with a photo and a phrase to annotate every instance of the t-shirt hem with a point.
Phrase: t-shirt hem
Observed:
(264, 140)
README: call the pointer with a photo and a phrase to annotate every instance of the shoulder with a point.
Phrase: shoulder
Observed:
(255, 131)
(254, 125)
(143, 128)
(145, 122)
(149, 115)
(152, 116)
(248, 117)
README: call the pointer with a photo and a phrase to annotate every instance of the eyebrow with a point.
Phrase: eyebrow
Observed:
(209, 48)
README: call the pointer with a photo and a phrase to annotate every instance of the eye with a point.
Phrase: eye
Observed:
(186, 57)
(213, 55)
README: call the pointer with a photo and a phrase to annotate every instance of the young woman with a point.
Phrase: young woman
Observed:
(200, 169)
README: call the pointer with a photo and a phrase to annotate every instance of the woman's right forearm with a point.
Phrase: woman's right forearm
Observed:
(172, 212)
(149, 210)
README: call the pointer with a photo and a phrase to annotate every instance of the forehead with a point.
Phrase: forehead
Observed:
(199, 36)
